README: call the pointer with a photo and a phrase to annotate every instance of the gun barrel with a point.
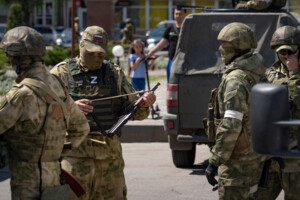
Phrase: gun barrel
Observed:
(122, 121)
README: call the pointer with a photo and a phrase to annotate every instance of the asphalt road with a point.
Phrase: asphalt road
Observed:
(151, 175)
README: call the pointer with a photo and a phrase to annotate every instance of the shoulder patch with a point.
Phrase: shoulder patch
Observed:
(230, 95)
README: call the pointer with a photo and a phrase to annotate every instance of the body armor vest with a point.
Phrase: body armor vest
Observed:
(94, 85)
(47, 144)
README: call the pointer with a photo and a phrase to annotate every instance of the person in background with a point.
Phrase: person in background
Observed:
(138, 65)
(127, 31)
(77, 30)
(170, 35)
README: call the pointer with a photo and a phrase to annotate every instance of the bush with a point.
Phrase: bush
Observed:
(4, 62)
(15, 16)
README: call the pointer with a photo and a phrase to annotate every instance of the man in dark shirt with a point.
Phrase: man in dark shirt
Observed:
(170, 35)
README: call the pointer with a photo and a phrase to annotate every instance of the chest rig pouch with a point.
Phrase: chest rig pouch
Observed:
(95, 85)
(211, 123)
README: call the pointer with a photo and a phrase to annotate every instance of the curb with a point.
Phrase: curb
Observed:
(148, 130)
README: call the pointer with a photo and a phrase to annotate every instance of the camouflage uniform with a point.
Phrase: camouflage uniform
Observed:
(288, 177)
(99, 167)
(33, 122)
(239, 167)
(128, 32)
(261, 4)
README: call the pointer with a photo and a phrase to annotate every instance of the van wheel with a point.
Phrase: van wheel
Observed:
(184, 158)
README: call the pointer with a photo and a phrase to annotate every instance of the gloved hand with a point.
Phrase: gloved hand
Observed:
(210, 173)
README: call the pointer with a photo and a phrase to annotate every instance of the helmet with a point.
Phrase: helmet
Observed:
(239, 35)
(23, 41)
(285, 35)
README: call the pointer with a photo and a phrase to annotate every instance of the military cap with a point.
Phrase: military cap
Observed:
(94, 39)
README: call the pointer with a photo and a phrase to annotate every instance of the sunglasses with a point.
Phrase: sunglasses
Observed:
(286, 52)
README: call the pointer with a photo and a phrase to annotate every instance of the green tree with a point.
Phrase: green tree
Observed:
(15, 16)
(27, 7)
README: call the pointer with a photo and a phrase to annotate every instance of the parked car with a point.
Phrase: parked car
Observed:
(2, 29)
(197, 68)
(48, 32)
(65, 38)
(154, 35)
(59, 30)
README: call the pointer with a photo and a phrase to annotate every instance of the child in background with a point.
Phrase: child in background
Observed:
(137, 65)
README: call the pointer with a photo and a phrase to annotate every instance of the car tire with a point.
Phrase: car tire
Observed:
(184, 158)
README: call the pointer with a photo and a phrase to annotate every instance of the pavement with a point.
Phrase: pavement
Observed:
(149, 130)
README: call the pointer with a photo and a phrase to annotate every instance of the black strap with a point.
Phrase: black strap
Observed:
(265, 174)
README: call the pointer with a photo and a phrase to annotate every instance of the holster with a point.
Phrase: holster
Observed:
(210, 127)
(56, 193)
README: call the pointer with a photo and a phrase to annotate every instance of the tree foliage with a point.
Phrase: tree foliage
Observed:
(15, 16)
(27, 7)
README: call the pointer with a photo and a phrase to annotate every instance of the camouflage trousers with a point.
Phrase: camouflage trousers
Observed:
(279, 179)
(103, 179)
(239, 180)
(25, 179)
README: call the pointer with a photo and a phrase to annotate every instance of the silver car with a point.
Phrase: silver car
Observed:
(48, 32)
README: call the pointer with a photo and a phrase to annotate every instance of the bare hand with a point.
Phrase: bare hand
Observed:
(148, 99)
(292, 62)
(84, 107)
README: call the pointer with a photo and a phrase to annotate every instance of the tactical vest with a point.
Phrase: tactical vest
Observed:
(45, 145)
(212, 123)
(94, 85)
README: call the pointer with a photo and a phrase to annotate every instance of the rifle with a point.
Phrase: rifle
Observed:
(74, 184)
(69, 179)
(123, 120)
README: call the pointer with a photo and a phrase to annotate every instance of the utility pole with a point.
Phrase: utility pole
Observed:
(72, 25)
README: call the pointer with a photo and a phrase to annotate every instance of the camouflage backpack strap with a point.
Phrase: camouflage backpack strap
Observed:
(49, 94)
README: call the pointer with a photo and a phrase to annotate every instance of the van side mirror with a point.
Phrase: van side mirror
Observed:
(270, 121)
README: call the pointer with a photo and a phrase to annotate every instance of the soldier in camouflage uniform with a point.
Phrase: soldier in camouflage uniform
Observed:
(98, 163)
(261, 4)
(238, 166)
(35, 116)
(285, 174)
(76, 29)
(128, 32)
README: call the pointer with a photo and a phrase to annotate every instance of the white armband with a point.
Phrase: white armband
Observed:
(234, 114)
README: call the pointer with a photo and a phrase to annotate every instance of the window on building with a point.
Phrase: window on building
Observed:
(44, 13)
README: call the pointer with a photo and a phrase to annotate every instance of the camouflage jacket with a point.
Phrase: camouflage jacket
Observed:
(279, 74)
(87, 149)
(233, 139)
(24, 123)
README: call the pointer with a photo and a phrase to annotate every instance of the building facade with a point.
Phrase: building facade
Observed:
(111, 14)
